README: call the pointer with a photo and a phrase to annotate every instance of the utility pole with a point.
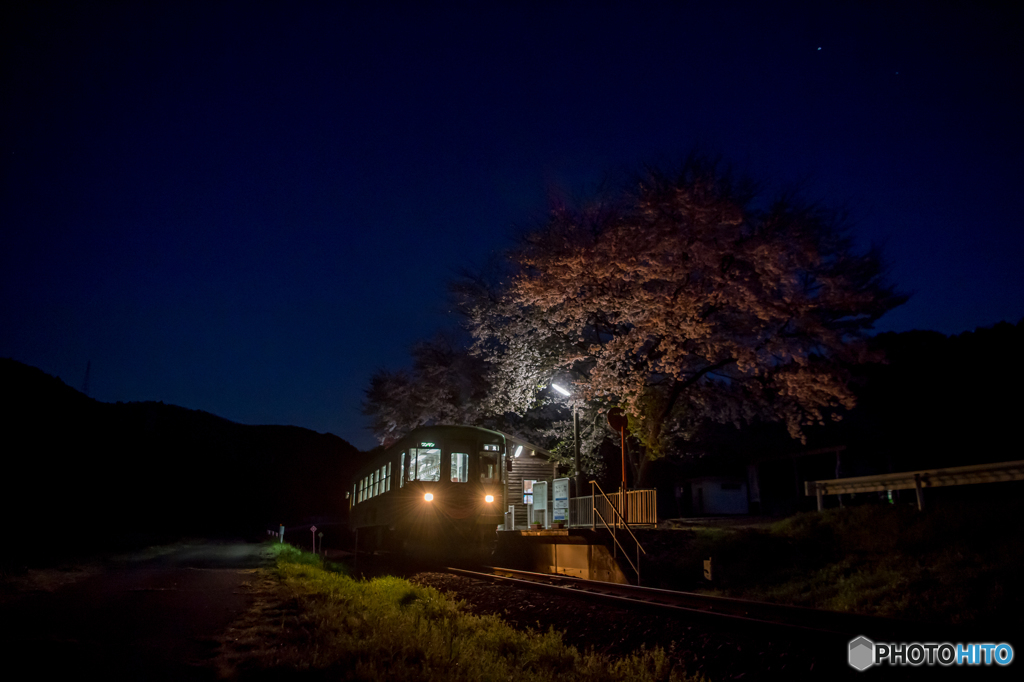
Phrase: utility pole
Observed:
(576, 450)
(575, 437)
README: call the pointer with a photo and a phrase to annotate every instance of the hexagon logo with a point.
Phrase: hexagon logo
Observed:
(862, 653)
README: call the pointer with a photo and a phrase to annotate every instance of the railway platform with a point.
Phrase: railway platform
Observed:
(575, 552)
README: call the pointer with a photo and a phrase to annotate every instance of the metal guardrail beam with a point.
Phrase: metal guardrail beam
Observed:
(918, 480)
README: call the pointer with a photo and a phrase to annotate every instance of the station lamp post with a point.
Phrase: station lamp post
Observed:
(575, 439)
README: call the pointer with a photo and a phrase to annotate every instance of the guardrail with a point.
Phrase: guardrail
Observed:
(619, 522)
(917, 480)
(641, 508)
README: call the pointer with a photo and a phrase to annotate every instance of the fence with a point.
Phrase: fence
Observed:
(641, 509)
(919, 480)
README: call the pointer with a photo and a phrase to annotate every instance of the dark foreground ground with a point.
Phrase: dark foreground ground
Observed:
(153, 618)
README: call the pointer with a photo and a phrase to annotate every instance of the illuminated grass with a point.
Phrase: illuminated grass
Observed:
(306, 618)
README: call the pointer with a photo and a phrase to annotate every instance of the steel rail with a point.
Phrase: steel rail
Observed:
(723, 609)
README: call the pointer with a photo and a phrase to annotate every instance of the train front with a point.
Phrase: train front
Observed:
(451, 497)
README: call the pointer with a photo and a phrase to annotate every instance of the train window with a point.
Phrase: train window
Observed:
(401, 478)
(424, 464)
(387, 478)
(489, 472)
(460, 467)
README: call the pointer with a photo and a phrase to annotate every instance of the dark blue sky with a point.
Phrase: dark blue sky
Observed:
(247, 208)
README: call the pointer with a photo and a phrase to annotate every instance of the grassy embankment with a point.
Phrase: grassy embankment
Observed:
(309, 618)
(956, 563)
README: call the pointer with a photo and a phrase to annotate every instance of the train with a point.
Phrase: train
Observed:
(440, 489)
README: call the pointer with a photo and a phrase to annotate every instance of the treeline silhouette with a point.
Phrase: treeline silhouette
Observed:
(81, 474)
(935, 401)
(78, 473)
(942, 400)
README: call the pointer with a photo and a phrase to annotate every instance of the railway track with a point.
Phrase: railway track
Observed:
(713, 610)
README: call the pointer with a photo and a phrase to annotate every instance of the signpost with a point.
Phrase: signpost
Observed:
(618, 421)
(540, 499)
(313, 530)
(560, 493)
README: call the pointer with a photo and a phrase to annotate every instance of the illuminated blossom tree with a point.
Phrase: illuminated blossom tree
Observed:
(685, 301)
(446, 385)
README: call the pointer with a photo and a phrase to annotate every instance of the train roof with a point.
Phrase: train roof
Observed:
(511, 441)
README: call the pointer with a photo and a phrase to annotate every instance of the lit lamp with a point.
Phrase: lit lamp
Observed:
(575, 439)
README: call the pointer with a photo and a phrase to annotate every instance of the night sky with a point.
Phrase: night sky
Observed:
(248, 208)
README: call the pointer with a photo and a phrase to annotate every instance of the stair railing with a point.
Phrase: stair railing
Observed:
(611, 529)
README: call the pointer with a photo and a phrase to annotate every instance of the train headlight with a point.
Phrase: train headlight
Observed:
(489, 499)
(428, 497)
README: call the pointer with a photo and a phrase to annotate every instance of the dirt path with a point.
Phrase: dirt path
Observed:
(156, 619)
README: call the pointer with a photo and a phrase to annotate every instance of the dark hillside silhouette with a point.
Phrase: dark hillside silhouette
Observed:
(80, 473)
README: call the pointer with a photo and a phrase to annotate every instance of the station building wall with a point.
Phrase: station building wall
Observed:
(527, 468)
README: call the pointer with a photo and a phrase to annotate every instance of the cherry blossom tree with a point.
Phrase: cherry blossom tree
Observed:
(446, 385)
(683, 301)
(449, 385)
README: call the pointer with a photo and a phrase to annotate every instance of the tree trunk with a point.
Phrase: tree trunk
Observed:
(643, 478)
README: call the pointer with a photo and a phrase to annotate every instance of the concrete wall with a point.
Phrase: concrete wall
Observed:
(576, 553)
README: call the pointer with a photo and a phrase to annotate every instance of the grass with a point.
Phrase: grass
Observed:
(954, 564)
(316, 621)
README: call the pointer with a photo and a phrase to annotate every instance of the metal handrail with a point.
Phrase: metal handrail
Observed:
(625, 524)
(636, 568)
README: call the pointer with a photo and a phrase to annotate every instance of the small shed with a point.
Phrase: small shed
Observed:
(719, 495)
